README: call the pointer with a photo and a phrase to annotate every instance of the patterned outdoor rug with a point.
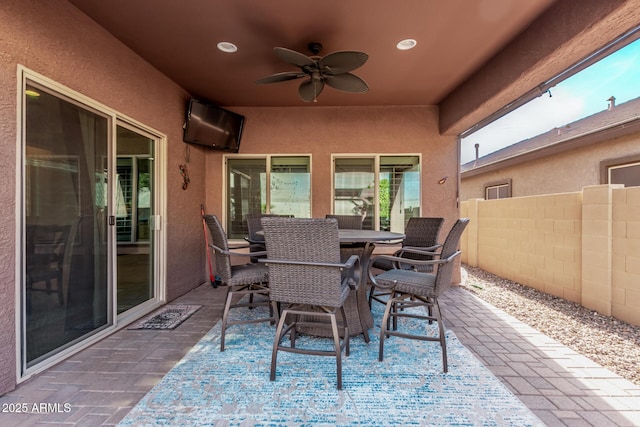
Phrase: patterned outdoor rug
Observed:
(232, 388)
(167, 317)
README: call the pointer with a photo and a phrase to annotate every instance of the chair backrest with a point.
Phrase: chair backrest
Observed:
(47, 244)
(219, 238)
(449, 248)
(348, 222)
(254, 225)
(308, 240)
(422, 232)
(49, 252)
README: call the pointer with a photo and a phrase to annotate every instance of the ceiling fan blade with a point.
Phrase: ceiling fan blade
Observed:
(347, 82)
(342, 62)
(310, 89)
(280, 77)
(293, 57)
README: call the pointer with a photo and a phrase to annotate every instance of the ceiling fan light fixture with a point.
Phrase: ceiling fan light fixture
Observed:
(406, 44)
(332, 69)
(227, 47)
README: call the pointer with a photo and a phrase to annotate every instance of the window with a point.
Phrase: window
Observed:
(628, 174)
(385, 190)
(272, 184)
(497, 191)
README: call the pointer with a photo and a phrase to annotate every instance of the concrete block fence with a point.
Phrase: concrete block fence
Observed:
(583, 246)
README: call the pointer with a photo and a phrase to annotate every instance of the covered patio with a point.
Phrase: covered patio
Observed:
(104, 382)
(104, 72)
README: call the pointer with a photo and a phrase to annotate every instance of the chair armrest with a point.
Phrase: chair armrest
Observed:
(399, 260)
(389, 242)
(417, 248)
(229, 253)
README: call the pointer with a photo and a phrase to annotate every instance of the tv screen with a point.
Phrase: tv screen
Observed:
(213, 126)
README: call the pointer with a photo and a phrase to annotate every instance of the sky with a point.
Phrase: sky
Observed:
(577, 97)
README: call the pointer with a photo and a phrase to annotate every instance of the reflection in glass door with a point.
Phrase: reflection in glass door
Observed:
(65, 289)
(88, 239)
(134, 211)
(354, 191)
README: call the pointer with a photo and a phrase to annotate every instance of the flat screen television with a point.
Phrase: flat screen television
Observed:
(212, 126)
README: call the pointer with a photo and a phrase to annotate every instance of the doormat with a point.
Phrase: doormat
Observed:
(168, 317)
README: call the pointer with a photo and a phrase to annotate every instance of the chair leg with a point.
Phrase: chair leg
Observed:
(225, 315)
(443, 338)
(395, 310)
(275, 312)
(338, 348)
(276, 344)
(363, 326)
(345, 328)
(59, 283)
(384, 326)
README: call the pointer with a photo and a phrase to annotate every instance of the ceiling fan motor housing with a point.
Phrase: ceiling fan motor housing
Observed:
(315, 48)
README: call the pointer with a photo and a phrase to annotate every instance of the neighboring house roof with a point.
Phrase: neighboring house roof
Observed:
(616, 121)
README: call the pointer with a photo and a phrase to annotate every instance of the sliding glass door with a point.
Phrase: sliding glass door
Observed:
(89, 229)
(134, 214)
(66, 289)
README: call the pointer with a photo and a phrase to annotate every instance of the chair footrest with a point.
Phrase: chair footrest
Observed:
(413, 336)
(311, 352)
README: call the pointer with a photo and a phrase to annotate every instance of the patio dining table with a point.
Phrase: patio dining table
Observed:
(357, 303)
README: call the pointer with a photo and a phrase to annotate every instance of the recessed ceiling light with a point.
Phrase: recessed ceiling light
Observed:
(227, 47)
(406, 44)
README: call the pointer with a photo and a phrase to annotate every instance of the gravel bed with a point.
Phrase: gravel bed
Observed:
(607, 341)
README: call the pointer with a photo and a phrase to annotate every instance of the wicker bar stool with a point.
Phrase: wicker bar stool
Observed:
(421, 233)
(311, 284)
(247, 279)
(411, 288)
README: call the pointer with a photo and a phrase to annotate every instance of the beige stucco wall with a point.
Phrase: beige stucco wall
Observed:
(323, 131)
(557, 173)
(583, 247)
(56, 40)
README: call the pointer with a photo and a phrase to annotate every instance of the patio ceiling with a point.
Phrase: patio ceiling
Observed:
(454, 39)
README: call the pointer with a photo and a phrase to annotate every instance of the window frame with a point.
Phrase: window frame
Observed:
(498, 184)
(619, 162)
(268, 162)
(376, 157)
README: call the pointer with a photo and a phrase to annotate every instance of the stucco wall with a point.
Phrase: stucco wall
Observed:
(53, 38)
(550, 174)
(583, 247)
(566, 33)
(72, 50)
(321, 131)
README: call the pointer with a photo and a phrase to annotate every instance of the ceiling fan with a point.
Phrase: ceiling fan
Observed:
(332, 69)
